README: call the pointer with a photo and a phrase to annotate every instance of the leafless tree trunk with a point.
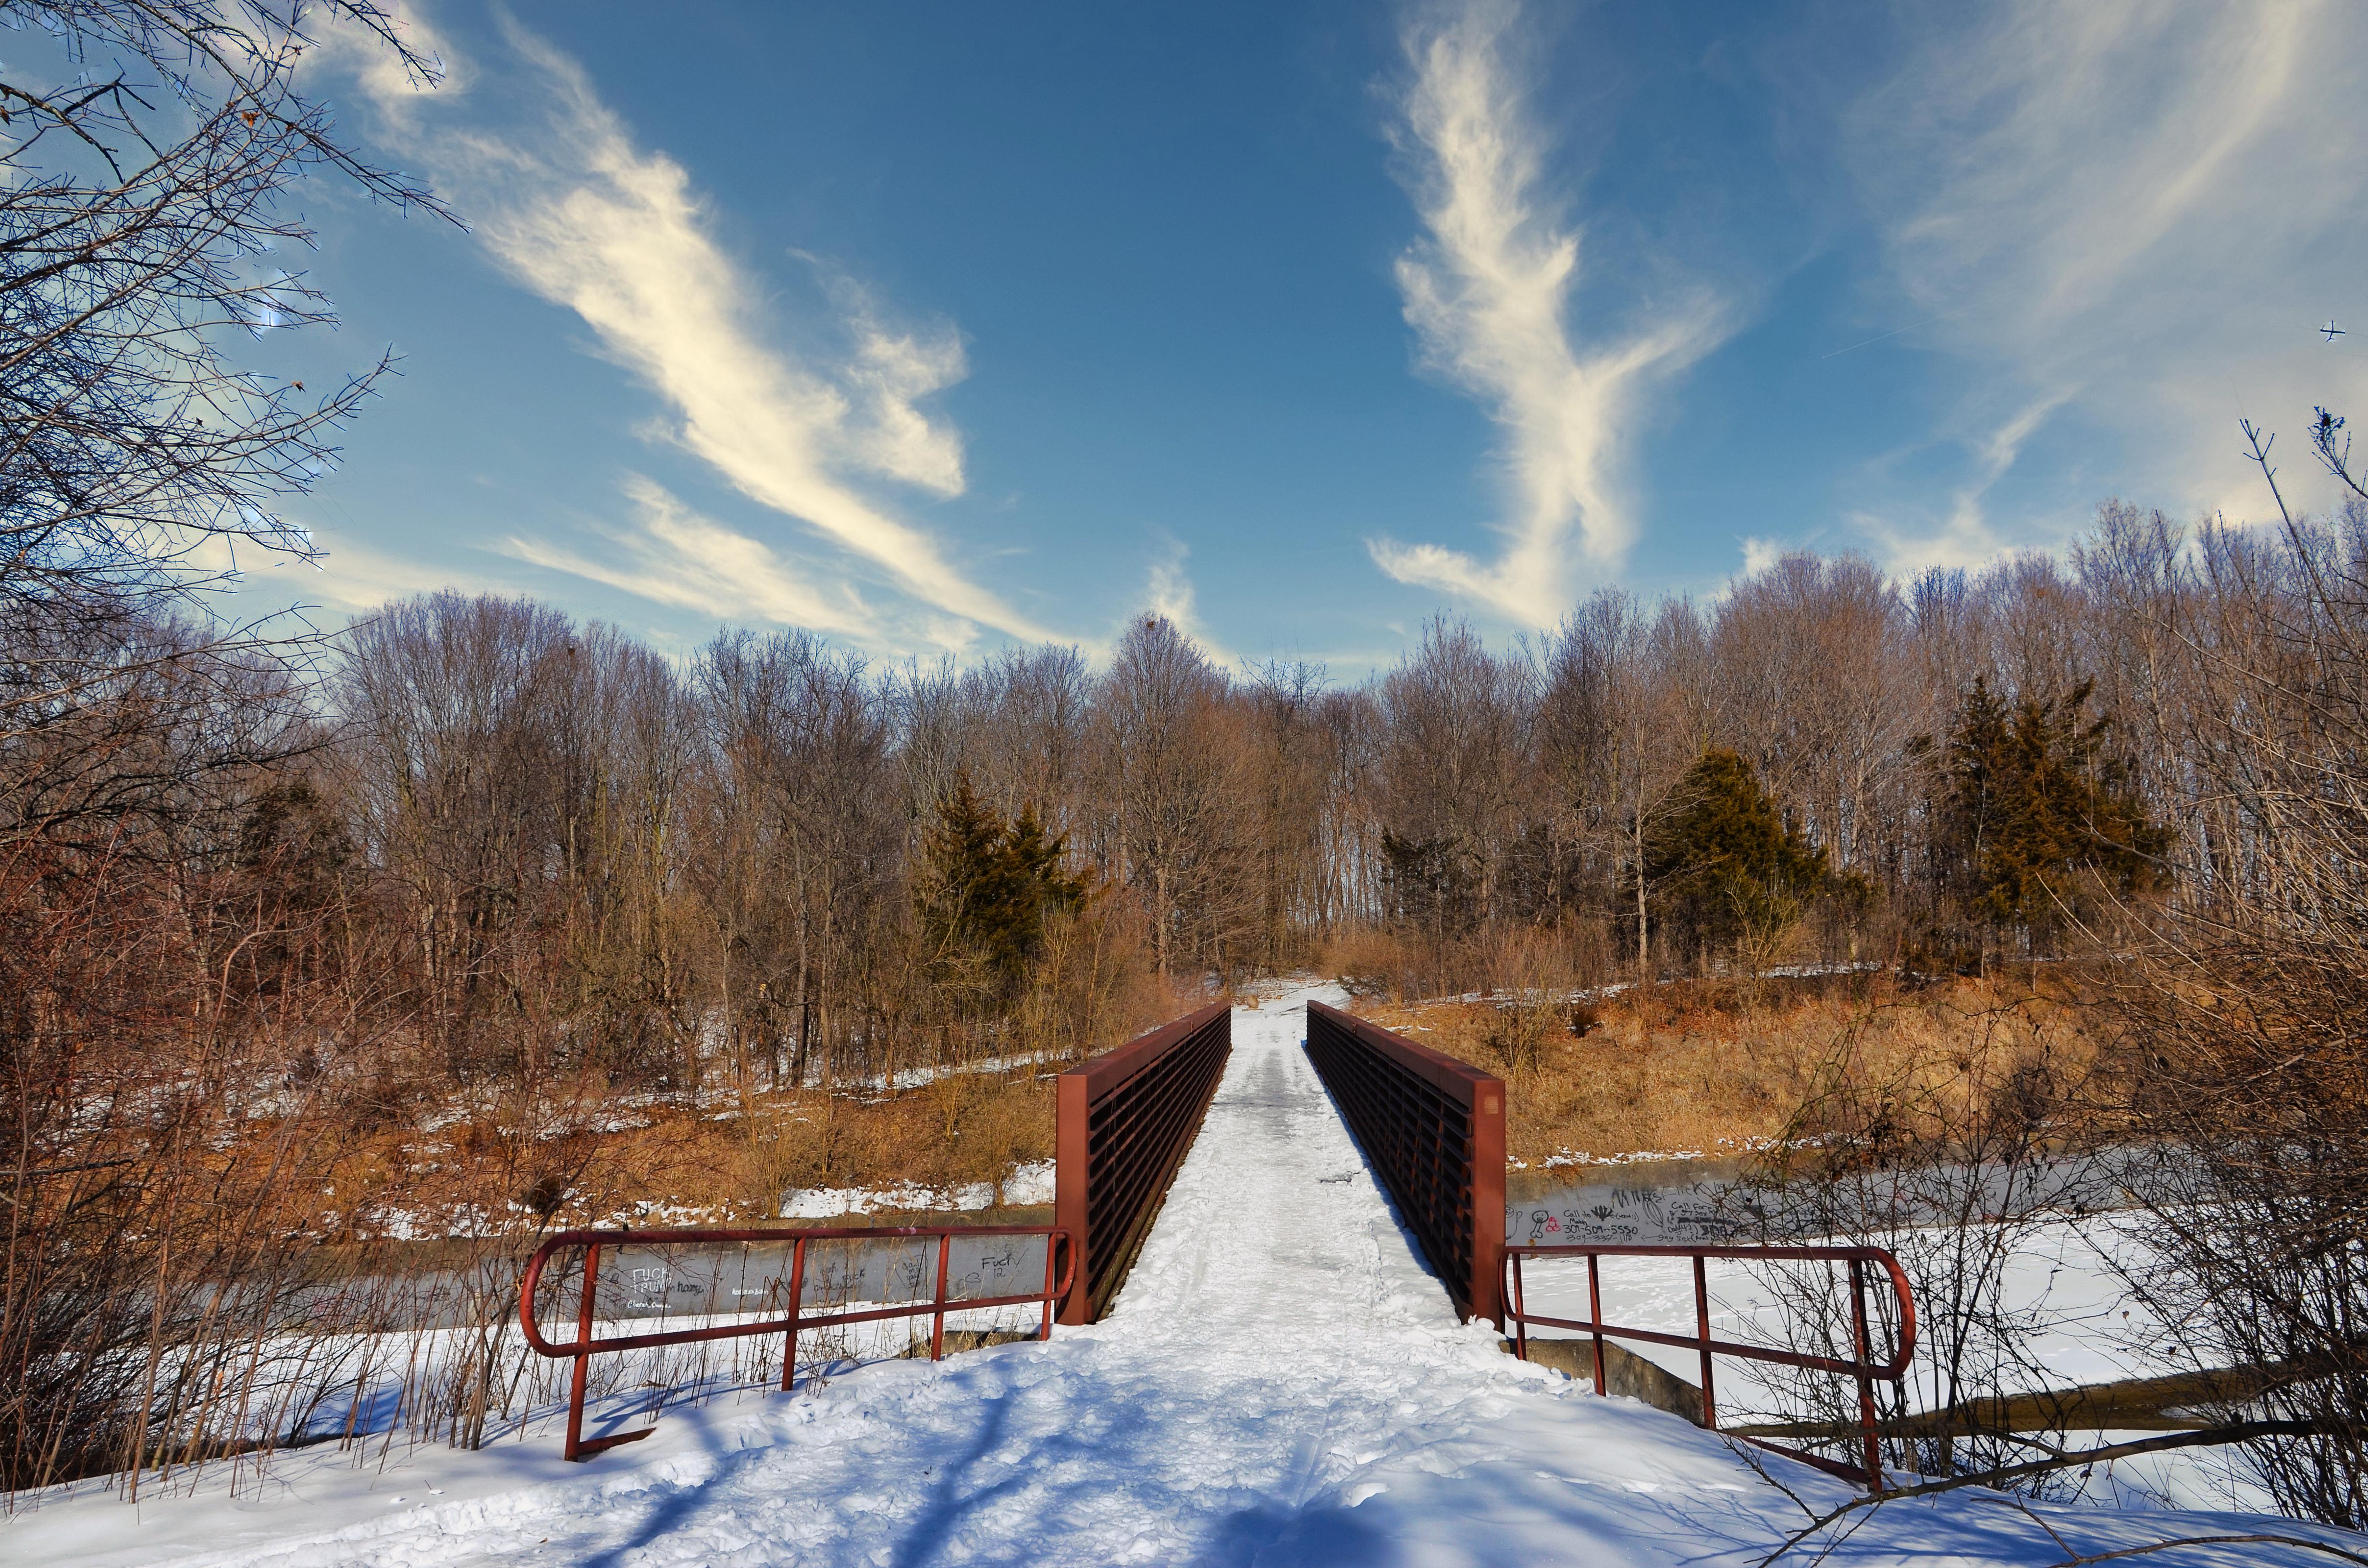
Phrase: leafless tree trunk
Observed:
(1173, 797)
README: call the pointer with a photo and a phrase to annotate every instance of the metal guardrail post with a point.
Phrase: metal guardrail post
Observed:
(1594, 1312)
(1701, 1328)
(1051, 1300)
(938, 1323)
(797, 1294)
(1071, 1182)
(1127, 1119)
(581, 1373)
(1434, 1130)
(1865, 1378)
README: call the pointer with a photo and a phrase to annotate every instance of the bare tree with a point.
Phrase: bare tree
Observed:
(1031, 713)
(1172, 828)
(1452, 775)
(2245, 1065)
(802, 736)
(1291, 758)
(141, 230)
(1815, 693)
(166, 923)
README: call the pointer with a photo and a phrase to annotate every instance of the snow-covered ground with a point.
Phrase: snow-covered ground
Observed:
(1281, 1382)
(2064, 1281)
(1532, 997)
(2061, 1279)
(1030, 1183)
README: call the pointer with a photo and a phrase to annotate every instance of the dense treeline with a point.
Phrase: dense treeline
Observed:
(511, 846)
(478, 845)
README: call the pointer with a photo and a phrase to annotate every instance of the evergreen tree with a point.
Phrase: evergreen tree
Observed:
(987, 889)
(1432, 885)
(1726, 864)
(2036, 819)
(1033, 888)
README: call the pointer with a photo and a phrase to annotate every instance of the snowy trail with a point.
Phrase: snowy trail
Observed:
(1281, 1382)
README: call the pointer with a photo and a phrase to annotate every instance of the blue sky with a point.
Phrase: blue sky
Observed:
(928, 326)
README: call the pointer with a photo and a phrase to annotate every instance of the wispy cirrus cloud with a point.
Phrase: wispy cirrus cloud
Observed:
(580, 214)
(676, 556)
(1490, 292)
(1966, 536)
(2126, 218)
(1168, 593)
(353, 576)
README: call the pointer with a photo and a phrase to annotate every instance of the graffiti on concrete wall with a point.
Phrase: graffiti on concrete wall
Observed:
(1620, 1211)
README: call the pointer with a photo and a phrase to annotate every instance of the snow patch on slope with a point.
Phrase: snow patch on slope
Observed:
(1027, 1184)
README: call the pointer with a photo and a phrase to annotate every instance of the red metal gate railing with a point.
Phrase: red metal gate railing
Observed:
(1126, 1121)
(1434, 1129)
(1861, 1366)
(1060, 1270)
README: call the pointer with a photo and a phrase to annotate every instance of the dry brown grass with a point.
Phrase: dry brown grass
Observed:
(663, 1163)
(404, 1155)
(1716, 1066)
(1702, 1066)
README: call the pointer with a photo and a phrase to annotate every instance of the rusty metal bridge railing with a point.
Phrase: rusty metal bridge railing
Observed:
(1060, 1270)
(1861, 1366)
(1126, 1121)
(1434, 1128)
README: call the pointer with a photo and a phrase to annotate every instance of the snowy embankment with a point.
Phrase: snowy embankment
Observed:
(1027, 1184)
(1281, 1382)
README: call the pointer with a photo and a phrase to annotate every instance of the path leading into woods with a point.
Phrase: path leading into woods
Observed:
(1281, 1382)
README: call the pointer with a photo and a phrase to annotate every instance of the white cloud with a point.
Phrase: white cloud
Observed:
(1489, 292)
(1963, 539)
(1170, 591)
(1759, 554)
(1169, 594)
(2129, 217)
(587, 219)
(891, 370)
(676, 556)
(342, 45)
(353, 576)
(1966, 536)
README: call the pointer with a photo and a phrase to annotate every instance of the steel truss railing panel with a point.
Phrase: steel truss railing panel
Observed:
(1433, 1128)
(1126, 1121)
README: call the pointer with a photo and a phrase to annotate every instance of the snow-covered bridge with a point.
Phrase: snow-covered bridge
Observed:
(1280, 1381)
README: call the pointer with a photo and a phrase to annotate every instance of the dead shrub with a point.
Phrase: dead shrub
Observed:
(1369, 962)
(1693, 1066)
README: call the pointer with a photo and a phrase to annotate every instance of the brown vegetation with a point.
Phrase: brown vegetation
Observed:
(1722, 1068)
(636, 1159)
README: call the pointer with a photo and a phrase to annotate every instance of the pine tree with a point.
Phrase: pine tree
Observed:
(2037, 819)
(989, 888)
(1433, 883)
(1728, 865)
(1033, 888)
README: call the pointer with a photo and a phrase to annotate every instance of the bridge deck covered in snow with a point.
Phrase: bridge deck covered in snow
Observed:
(1281, 1382)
